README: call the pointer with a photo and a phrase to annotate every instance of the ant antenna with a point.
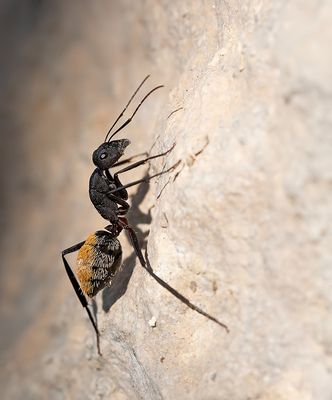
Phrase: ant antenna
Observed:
(122, 112)
(129, 119)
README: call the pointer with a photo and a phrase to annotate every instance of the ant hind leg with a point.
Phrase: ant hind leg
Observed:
(78, 289)
(134, 240)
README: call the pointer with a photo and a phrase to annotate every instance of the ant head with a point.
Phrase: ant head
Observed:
(108, 153)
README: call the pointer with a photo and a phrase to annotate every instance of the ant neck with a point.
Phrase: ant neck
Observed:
(114, 229)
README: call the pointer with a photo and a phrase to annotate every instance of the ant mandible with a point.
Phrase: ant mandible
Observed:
(100, 255)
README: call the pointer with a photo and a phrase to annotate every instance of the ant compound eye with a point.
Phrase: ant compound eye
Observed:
(103, 156)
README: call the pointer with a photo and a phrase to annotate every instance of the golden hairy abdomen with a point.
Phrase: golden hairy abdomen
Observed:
(98, 261)
(85, 260)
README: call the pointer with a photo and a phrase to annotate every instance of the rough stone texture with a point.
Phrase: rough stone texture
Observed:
(241, 227)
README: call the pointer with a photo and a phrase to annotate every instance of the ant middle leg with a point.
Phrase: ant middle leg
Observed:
(146, 179)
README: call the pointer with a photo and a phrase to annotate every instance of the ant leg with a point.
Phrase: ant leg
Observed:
(127, 160)
(134, 240)
(123, 193)
(78, 289)
(124, 205)
(138, 163)
(147, 179)
(122, 211)
(146, 265)
(180, 296)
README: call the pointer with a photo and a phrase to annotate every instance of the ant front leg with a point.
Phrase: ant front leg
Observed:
(138, 163)
(127, 160)
(77, 287)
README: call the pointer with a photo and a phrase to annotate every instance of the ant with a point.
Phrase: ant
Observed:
(100, 255)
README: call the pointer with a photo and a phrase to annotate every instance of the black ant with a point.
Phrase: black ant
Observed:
(100, 255)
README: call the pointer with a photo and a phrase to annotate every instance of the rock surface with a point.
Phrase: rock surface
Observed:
(241, 227)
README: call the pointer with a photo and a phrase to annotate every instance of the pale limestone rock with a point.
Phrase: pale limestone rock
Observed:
(241, 227)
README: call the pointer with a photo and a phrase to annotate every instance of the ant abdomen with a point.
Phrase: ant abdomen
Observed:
(98, 261)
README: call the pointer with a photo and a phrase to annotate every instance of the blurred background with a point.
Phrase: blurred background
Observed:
(255, 79)
(67, 69)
